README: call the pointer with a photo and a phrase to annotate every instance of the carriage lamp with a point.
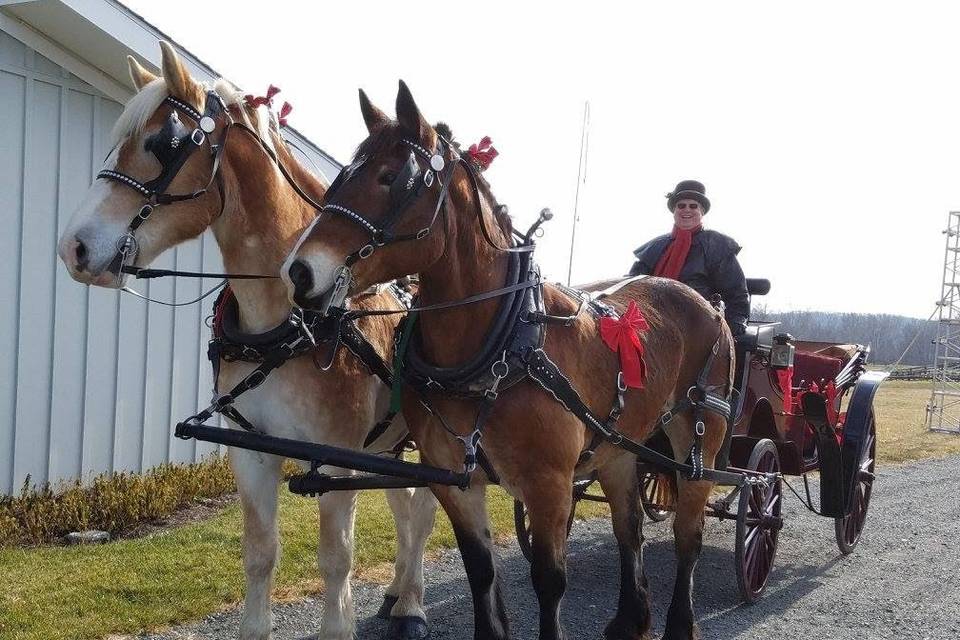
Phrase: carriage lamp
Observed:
(781, 355)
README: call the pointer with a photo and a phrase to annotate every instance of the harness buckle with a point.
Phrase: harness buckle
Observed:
(621, 383)
(145, 211)
(251, 353)
(428, 179)
(700, 428)
(423, 233)
(197, 137)
(366, 251)
(255, 379)
(666, 418)
(695, 390)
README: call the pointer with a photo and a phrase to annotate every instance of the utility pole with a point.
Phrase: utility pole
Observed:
(581, 178)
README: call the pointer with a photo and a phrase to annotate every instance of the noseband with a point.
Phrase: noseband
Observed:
(155, 191)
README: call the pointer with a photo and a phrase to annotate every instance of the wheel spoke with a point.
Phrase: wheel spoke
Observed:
(772, 500)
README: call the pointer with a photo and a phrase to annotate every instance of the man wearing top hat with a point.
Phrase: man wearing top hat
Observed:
(703, 259)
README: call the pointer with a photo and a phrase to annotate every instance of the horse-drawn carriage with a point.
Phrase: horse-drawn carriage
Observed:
(801, 407)
(514, 364)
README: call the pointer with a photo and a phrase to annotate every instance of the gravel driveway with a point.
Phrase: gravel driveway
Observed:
(901, 582)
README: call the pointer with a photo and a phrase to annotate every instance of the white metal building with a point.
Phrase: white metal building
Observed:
(73, 403)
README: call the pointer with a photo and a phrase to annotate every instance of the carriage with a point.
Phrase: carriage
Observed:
(801, 407)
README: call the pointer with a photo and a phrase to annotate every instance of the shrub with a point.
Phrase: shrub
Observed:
(113, 502)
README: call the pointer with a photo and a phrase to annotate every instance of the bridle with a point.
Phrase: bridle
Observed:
(172, 161)
(405, 190)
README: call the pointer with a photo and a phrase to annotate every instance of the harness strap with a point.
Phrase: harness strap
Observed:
(546, 373)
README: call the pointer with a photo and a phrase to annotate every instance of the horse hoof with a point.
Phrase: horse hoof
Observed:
(388, 601)
(409, 628)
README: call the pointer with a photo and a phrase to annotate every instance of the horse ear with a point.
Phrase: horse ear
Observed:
(408, 114)
(175, 73)
(140, 76)
(372, 116)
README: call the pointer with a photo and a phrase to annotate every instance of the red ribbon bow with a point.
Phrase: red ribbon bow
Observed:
(284, 112)
(255, 101)
(483, 153)
(623, 337)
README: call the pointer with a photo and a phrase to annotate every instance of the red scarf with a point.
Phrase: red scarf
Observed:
(675, 256)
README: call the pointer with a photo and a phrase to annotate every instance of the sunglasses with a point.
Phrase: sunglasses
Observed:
(693, 206)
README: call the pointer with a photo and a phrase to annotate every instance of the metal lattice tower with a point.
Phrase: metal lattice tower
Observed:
(943, 412)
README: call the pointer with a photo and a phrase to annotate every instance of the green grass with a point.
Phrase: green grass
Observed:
(184, 574)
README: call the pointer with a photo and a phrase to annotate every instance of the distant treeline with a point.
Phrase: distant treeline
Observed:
(887, 335)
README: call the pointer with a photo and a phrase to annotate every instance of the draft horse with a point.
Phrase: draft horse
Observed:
(489, 335)
(190, 157)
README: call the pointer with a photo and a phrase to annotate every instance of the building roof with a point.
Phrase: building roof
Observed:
(92, 39)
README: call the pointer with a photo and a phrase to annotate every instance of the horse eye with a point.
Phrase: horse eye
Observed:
(387, 178)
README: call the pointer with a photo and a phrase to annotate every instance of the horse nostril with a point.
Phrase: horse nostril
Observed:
(301, 277)
(83, 258)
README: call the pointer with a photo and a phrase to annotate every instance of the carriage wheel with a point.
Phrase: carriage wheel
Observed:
(655, 494)
(521, 519)
(758, 523)
(850, 527)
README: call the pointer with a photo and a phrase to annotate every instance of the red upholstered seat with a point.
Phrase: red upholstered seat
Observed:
(812, 367)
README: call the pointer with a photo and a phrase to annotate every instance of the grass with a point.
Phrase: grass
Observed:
(902, 433)
(185, 573)
(52, 593)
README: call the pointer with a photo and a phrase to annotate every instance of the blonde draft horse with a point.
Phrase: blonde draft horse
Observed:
(255, 216)
(531, 441)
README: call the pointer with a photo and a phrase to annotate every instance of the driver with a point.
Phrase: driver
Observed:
(703, 259)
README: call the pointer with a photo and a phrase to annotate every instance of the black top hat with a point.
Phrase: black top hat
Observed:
(688, 190)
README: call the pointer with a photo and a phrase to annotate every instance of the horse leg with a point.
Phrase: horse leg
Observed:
(621, 487)
(691, 499)
(467, 511)
(414, 512)
(335, 559)
(258, 480)
(549, 504)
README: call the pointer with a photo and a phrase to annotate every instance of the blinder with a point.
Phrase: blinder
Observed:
(404, 191)
(406, 187)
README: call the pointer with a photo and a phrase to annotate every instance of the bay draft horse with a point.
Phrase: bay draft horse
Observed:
(255, 215)
(454, 238)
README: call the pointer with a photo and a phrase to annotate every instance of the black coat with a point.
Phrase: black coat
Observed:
(711, 268)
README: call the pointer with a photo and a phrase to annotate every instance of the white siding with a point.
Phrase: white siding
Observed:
(89, 381)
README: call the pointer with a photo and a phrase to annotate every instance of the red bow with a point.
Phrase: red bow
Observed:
(483, 153)
(284, 112)
(623, 337)
(254, 102)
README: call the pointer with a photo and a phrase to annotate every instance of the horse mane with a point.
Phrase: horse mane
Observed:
(500, 214)
(138, 110)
